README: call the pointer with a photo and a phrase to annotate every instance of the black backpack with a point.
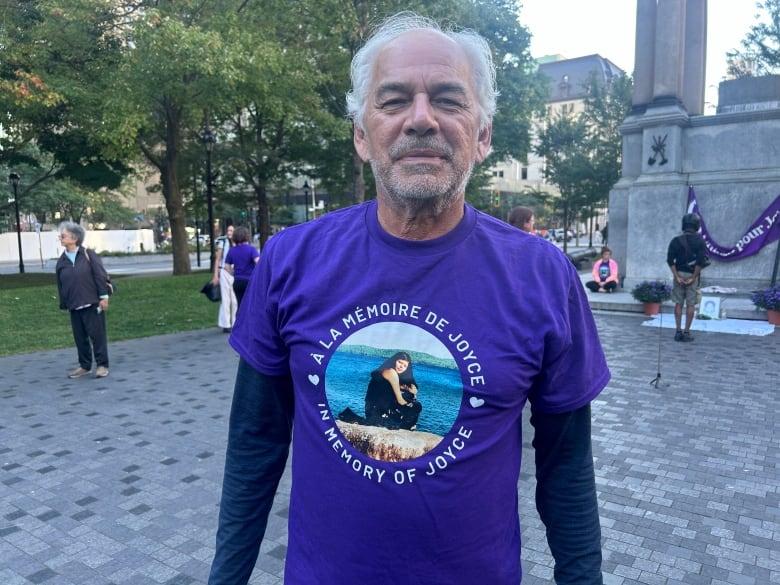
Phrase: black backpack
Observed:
(707, 260)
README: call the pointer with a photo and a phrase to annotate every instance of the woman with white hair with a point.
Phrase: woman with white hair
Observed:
(82, 283)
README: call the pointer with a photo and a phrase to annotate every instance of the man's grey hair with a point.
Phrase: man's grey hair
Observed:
(74, 230)
(475, 47)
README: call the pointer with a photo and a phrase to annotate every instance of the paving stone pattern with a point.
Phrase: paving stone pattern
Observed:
(116, 481)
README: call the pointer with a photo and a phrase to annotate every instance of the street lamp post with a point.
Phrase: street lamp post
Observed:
(14, 178)
(208, 142)
(306, 199)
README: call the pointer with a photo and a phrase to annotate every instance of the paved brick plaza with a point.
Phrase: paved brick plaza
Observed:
(116, 481)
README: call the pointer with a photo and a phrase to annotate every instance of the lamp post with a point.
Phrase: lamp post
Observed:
(208, 142)
(14, 178)
(306, 199)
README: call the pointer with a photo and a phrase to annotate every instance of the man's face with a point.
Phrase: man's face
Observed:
(229, 232)
(421, 124)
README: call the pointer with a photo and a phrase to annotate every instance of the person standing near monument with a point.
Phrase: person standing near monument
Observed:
(460, 291)
(686, 257)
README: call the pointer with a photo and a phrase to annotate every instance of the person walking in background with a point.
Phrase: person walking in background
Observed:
(522, 218)
(417, 263)
(228, 304)
(82, 284)
(240, 261)
(605, 273)
(685, 256)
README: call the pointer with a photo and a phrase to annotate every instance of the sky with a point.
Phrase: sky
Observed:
(575, 28)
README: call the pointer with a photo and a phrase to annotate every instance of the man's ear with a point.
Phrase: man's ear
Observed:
(483, 143)
(361, 143)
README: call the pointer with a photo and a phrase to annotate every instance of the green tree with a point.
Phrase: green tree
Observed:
(523, 90)
(584, 152)
(48, 69)
(563, 144)
(176, 70)
(606, 107)
(93, 84)
(760, 53)
(274, 117)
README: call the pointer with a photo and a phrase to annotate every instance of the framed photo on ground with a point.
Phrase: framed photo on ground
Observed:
(710, 307)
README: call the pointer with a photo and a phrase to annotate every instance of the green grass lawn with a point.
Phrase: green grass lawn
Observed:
(30, 318)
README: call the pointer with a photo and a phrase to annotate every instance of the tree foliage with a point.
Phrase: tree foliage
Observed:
(53, 58)
(100, 87)
(760, 53)
(583, 153)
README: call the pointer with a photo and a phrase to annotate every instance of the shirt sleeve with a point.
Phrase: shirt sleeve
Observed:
(258, 445)
(255, 334)
(566, 494)
(98, 273)
(573, 369)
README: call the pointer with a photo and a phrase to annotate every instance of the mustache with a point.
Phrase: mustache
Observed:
(407, 145)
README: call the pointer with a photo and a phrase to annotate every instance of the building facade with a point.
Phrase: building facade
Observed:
(568, 83)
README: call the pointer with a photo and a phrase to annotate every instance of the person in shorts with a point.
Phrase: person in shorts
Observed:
(685, 257)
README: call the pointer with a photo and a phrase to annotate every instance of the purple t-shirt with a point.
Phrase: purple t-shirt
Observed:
(490, 317)
(242, 257)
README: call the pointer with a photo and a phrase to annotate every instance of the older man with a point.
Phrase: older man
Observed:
(490, 317)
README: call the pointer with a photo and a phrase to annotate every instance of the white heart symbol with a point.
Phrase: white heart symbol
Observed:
(314, 379)
(476, 402)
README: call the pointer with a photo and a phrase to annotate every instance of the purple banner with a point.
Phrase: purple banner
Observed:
(763, 232)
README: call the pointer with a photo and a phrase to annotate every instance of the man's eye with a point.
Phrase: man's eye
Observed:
(393, 102)
(449, 103)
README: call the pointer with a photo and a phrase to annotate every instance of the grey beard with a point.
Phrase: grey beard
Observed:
(411, 199)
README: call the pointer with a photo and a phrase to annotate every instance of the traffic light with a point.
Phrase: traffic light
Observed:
(497, 198)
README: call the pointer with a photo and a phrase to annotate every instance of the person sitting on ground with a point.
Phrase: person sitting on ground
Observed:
(605, 273)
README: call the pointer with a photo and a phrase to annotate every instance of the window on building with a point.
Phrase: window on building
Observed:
(524, 173)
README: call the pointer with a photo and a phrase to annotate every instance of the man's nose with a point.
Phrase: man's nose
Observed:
(422, 116)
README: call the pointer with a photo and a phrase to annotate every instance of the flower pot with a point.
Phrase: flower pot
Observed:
(652, 308)
(773, 317)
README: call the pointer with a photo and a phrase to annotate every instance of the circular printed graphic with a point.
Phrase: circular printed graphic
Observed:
(394, 389)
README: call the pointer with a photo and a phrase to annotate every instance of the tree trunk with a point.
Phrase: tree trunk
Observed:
(263, 215)
(174, 202)
(175, 206)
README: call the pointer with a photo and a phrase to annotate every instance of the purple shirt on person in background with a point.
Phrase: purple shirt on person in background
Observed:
(242, 258)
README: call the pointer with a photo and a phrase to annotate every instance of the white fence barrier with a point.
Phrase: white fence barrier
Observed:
(44, 246)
